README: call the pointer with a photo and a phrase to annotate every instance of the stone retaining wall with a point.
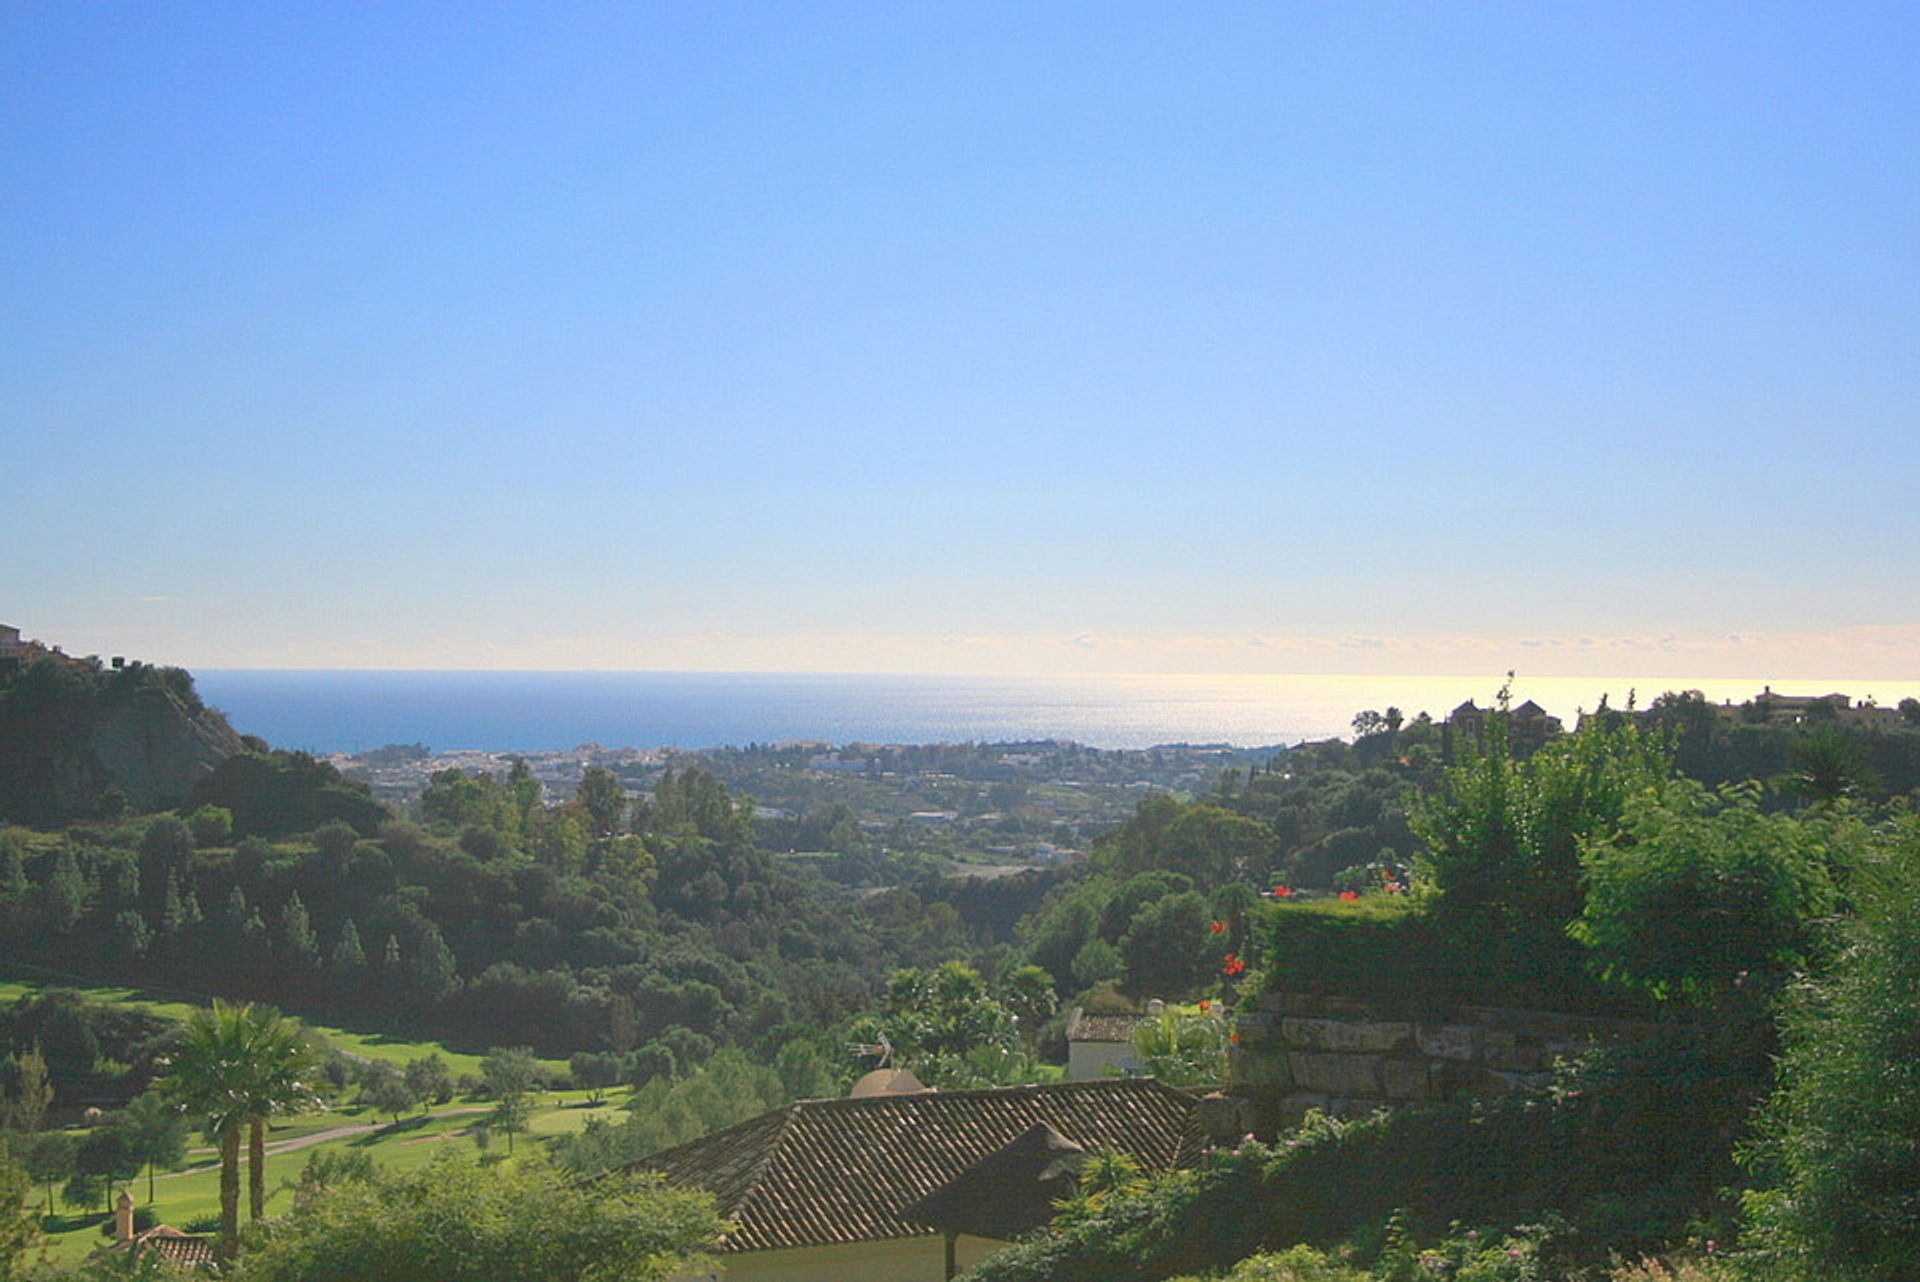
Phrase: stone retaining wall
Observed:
(1299, 1052)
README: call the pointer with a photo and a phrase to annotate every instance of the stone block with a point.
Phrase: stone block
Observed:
(1406, 1079)
(1345, 1035)
(1333, 1074)
(1224, 1118)
(1256, 1029)
(1449, 1041)
(1517, 1057)
(1480, 1082)
(1257, 1069)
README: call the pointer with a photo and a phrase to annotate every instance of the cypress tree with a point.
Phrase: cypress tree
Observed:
(348, 957)
(296, 934)
(66, 891)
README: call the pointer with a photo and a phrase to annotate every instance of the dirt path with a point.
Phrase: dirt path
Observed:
(328, 1136)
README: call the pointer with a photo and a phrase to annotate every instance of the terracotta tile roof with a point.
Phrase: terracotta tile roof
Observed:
(190, 1250)
(1103, 1028)
(845, 1170)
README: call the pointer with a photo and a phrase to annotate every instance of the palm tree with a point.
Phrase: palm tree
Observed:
(211, 1074)
(285, 1067)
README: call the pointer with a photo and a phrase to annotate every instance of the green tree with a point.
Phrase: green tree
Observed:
(1027, 991)
(1136, 845)
(457, 1222)
(510, 1068)
(106, 1157)
(558, 839)
(1698, 893)
(1168, 952)
(1096, 963)
(296, 945)
(154, 1132)
(510, 1072)
(48, 1159)
(19, 1227)
(387, 1092)
(943, 1011)
(1504, 836)
(1840, 1139)
(454, 799)
(66, 891)
(286, 1070)
(349, 959)
(26, 1108)
(512, 1110)
(427, 1077)
(209, 1076)
(604, 800)
(524, 791)
(233, 1067)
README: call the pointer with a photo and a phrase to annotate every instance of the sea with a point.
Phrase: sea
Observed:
(356, 710)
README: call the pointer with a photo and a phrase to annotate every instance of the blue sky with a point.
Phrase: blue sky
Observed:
(965, 337)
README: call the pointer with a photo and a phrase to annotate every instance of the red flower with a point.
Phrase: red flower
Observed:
(1234, 1038)
(1281, 892)
(1349, 894)
(1394, 888)
(1233, 965)
(1205, 1006)
(1217, 927)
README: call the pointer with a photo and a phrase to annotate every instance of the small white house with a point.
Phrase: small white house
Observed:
(1101, 1046)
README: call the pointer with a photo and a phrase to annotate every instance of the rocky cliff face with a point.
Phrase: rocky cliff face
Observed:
(153, 749)
(60, 756)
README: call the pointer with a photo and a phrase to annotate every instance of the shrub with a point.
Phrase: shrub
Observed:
(457, 1222)
(1841, 1136)
(1698, 891)
(1301, 1264)
(211, 826)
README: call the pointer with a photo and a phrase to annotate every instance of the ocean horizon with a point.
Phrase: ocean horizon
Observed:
(354, 710)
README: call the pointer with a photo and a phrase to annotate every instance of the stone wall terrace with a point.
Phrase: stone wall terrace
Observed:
(1299, 1052)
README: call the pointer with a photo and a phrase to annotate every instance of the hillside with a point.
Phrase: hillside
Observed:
(79, 740)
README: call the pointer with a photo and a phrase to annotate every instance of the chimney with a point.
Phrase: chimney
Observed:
(123, 1217)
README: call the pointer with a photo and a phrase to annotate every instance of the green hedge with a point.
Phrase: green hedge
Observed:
(1385, 951)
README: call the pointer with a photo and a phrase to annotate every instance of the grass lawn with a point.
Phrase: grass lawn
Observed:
(181, 1198)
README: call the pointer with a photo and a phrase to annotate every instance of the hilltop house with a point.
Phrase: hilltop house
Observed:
(1529, 726)
(871, 1188)
(12, 649)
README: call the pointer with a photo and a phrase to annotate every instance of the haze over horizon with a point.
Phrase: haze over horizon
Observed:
(1373, 340)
